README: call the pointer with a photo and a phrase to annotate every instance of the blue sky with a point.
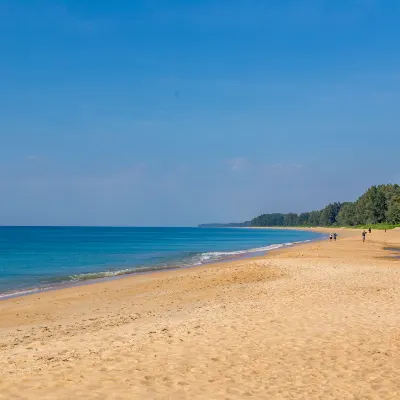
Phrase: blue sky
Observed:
(183, 112)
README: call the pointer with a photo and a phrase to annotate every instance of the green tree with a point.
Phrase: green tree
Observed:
(347, 215)
(291, 219)
(372, 205)
(329, 214)
(314, 218)
(304, 219)
(393, 214)
(378, 204)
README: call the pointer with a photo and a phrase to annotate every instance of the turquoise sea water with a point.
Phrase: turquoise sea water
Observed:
(34, 258)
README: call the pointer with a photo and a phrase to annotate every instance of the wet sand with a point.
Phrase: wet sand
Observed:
(316, 321)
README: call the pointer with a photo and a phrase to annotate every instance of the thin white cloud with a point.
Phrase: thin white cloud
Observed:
(284, 167)
(238, 163)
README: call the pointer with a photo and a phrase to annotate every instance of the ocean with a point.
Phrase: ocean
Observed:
(41, 258)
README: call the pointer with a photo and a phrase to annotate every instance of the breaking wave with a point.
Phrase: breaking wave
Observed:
(191, 259)
(188, 261)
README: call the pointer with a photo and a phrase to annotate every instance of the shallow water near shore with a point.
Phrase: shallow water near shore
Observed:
(40, 258)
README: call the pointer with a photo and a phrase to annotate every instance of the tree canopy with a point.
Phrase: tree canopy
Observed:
(379, 204)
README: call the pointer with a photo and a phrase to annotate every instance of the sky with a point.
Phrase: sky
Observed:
(180, 112)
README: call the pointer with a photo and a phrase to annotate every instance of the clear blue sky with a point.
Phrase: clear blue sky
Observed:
(187, 111)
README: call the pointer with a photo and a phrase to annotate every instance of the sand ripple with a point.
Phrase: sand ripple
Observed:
(320, 321)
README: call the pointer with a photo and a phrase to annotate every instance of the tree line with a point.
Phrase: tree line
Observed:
(379, 204)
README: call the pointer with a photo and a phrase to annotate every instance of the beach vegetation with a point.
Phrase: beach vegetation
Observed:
(378, 207)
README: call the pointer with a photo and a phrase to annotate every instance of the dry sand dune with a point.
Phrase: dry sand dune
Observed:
(318, 321)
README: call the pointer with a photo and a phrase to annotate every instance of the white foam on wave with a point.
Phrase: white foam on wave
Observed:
(219, 255)
(199, 259)
(120, 272)
(21, 292)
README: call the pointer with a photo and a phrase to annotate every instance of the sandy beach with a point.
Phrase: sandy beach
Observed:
(316, 321)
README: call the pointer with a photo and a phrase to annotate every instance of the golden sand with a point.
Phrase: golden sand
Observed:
(317, 321)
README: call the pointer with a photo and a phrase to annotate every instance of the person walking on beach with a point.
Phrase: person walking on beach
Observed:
(330, 237)
(334, 236)
(369, 230)
(363, 235)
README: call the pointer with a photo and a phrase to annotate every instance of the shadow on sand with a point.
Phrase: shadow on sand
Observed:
(395, 250)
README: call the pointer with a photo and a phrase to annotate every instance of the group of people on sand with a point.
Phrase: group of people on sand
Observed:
(364, 233)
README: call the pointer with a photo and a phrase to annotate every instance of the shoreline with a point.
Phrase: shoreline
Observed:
(241, 254)
(316, 320)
